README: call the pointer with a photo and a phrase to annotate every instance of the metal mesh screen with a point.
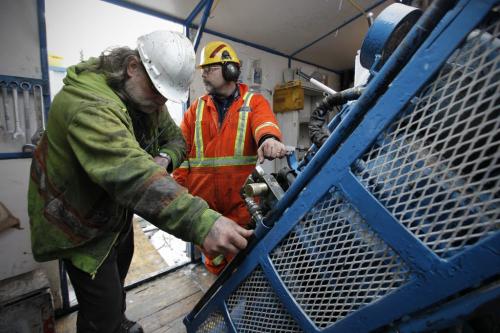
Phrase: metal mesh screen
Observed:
(436, 169)
(215, 323)
(254, 307)
(333, 263)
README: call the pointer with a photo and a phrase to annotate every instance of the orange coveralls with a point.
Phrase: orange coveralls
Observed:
(219, 159)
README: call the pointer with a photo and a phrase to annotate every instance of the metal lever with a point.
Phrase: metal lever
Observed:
(318, 84)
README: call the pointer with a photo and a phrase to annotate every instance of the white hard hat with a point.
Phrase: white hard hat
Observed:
(169, 60)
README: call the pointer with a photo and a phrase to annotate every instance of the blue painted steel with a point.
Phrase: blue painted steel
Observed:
(145, 10)
(11, 156)
(418, 257)
(337, 28)
(201, 28)
(227, 317)
(267, 49)
(383, 29)
(194, 13)
(10, 78)
(432, 279)
(445, 316)
(44, 59)
(285, 297)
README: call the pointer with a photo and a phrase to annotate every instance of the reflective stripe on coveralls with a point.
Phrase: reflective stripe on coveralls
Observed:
(237, 159)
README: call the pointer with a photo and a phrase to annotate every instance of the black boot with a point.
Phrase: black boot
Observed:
(130, 326)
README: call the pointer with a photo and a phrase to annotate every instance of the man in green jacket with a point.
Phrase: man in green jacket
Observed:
(106, 154)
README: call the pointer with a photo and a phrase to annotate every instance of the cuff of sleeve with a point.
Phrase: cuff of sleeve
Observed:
(174, 162)
(269, 132)
(267, 136)
(205, 223)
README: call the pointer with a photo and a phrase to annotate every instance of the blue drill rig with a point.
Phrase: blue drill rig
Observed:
(391, 222)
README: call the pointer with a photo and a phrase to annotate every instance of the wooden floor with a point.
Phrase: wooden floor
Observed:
(160, 305)
(146, 260)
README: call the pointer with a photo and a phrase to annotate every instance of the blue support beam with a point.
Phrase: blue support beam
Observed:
(189, 21)
(337, 28)
(145, 10)
(201, 28)
(445, 316)
(44, 59)
(11, 156)
(269, 50)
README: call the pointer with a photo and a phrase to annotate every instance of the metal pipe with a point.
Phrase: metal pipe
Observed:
(315, 82)
(256, 189)
(400, 57)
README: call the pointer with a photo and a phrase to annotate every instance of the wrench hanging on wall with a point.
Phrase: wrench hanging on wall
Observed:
(26, 87)
(18, 131)
(39, 113)
(6, 117)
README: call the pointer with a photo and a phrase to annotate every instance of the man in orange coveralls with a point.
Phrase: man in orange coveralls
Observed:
(226, 131)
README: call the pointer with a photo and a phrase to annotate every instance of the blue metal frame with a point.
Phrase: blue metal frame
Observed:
(432, 279)
(268, 50)
(145, 10)
(446, 315)
(201, 28)
(197, 9)
(44, 81)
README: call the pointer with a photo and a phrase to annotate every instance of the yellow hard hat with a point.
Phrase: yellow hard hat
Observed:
(217, 52)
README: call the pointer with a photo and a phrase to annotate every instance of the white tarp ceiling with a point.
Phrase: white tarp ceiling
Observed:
(286, 26)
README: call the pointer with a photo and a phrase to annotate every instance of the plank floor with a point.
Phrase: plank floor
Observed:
(160, 305)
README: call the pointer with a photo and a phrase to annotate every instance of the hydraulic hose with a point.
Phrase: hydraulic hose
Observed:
(317, 133)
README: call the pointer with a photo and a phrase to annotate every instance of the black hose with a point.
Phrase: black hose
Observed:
(317, 133)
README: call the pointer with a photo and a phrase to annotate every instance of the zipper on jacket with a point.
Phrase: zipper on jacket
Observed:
(93, 274)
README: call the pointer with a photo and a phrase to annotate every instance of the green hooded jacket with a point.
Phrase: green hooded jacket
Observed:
(90, 172)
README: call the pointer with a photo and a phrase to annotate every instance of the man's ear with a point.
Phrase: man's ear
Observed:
(133, 66)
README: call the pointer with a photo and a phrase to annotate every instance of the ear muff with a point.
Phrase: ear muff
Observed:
(230, 71)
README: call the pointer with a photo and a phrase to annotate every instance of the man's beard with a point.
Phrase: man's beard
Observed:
(209, 87)
(137, 101)
(212, 88)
